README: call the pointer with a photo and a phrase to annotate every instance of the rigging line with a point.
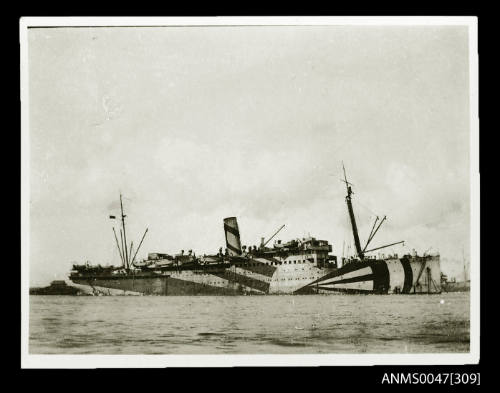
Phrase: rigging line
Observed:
(366, 207)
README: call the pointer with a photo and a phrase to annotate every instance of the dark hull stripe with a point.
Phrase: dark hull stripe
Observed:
(244, 280)
(148, 286)
(380, 274)
(351, 267)
(307, 290)
(116, 277)
(261, 268)
(232, 230)
(346, 290)
(165, 285)
(408, 275)
(180, 287)
(381, 278)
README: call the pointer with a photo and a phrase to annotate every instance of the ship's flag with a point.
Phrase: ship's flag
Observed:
(112, 217)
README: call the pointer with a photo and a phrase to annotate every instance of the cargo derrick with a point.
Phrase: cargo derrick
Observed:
(360, 253)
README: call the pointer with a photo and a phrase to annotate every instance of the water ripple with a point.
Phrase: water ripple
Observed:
(249, 324)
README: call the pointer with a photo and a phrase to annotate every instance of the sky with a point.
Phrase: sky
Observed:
(194, 124)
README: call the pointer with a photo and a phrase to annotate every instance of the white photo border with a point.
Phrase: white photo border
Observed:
(156, 361)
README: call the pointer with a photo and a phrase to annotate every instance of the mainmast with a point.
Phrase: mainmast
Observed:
(359, 251)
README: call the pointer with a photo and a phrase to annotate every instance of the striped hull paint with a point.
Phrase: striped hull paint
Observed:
(266, 276)
(406, 275)
(257, 276)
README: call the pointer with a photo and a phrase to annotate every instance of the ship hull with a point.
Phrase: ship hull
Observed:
(258, 276)
(408, 275)
(269, 277)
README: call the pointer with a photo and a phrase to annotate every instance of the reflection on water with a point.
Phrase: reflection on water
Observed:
(247, 324)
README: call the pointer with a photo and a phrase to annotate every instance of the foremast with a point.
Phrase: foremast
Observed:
(348, 200)
(124, 251)
(361, 251)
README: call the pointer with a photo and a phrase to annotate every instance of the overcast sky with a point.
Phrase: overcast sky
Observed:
(194, 124)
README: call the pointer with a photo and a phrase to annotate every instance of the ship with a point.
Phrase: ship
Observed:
(57, 287)
(299, 266)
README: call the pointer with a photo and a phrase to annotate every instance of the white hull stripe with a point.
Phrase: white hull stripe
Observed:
(356, 273)
(359, 285)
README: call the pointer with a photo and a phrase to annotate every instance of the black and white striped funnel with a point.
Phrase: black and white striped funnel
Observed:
(232, 236)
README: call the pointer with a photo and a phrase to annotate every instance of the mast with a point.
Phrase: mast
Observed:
(124, 233)
(351, 216)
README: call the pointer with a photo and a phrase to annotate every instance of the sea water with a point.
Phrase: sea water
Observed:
(310, 324)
